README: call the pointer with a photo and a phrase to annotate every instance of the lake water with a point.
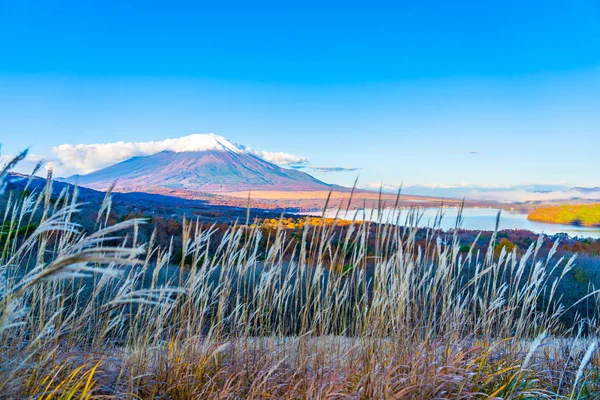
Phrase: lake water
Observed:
(472, 219)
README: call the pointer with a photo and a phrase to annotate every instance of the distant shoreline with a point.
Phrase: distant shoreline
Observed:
(585, 215)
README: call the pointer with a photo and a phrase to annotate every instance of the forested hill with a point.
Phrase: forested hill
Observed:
(580, 214)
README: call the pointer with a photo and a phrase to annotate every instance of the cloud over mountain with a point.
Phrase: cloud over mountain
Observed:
(501, 193)
(85, 158)
(325, 169)
(278, 158)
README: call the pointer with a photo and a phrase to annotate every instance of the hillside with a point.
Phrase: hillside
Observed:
(220, 172)
(579, 214)
(212, 165)
(212, 209)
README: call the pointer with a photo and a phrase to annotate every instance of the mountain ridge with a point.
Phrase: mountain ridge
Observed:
(210, 164)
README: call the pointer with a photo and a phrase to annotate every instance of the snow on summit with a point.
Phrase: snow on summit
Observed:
(86, 158)
(199, 142)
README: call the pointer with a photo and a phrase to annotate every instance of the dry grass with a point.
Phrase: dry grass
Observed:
(287, 195)
(102, 316)
(358, 197)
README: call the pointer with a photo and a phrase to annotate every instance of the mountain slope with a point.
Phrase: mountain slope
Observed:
(218, 165)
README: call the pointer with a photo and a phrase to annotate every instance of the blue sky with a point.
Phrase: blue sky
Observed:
(445, 93)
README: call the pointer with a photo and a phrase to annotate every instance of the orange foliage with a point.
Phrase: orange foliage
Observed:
(299, 223)
(579, 214)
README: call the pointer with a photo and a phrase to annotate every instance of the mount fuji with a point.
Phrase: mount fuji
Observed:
(205, 163)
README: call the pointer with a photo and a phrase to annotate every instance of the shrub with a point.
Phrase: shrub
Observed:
(103, 315)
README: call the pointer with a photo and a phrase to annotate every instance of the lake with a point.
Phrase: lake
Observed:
(473, 219)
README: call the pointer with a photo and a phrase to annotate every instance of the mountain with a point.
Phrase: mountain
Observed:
(510, 194)
(585, 190)
(212, 164)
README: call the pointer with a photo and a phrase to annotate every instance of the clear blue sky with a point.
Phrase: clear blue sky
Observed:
(407, 91)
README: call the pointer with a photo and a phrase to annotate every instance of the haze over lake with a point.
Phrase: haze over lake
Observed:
(472, 219)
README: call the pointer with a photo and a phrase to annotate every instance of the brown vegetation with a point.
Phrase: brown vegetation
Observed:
(106, 314)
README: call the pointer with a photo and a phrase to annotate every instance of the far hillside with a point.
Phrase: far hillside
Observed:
(580, 214)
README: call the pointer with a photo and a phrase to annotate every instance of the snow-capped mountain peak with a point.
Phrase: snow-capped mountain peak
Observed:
(199, 162)
(202, 142)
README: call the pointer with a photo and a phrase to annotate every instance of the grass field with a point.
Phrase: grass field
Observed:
(317, 200)
(580, 214)
(359, 316)
(358, 198)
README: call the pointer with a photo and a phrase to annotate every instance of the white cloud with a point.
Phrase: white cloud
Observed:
(327, 169)
(501, 193)
(278, 158)
(384, 186)
(85, 158)
(27, 165)
(511, 196)
(30, 157)
(532, 186)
